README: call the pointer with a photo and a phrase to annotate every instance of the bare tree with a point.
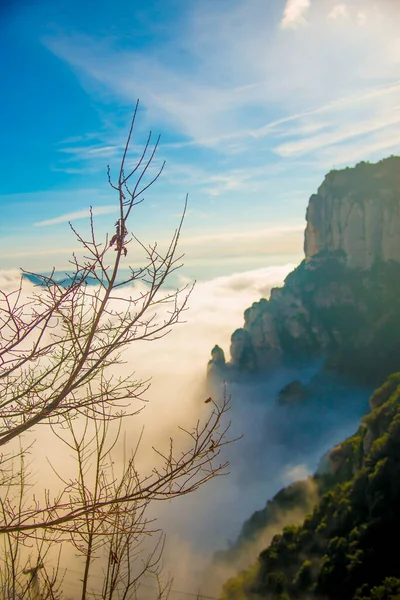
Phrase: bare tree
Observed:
(59, 345)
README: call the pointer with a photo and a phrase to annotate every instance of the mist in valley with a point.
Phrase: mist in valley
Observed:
(278, 444)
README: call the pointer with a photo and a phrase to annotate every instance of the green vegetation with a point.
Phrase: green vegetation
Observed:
(297, 498)
(365, 179)
(346, 549)
(352, 316)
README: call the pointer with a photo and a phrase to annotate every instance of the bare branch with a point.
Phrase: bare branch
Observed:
(60, 342)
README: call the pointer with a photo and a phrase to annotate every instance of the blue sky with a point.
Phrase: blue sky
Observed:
(255, 101)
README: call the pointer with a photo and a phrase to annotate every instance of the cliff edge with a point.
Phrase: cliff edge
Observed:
(357, 212)
(343, 301)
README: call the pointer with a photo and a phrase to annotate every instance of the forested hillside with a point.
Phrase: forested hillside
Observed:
(346, 549)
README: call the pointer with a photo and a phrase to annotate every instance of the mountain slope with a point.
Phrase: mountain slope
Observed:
(346, 548)
(342, 303)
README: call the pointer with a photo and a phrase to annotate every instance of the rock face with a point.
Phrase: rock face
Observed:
(216, 366)
(293, 393)
(342, 303)
(349, 317)
(242, 351)
(357, 212)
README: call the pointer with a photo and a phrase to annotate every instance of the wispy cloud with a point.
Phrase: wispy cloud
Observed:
(339, 11)
(79, 214)
(245, 180)
(262, 246)
(256, 96)
(382, 143)
(91, 151)
(44, 252)
(340, 134)
(294, 12)
(214, 100)
(233, 236)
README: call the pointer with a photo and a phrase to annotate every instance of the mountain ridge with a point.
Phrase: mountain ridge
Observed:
(335, 305)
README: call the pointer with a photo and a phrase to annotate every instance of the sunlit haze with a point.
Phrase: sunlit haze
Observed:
(249, 346)
(255, 101)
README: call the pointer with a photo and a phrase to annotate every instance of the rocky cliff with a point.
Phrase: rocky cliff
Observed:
(343, 301)
(357, 212)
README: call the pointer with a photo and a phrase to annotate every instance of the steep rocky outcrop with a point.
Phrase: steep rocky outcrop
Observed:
(293, 393)
(343, 301)
(216, 365)
(350, 317)
(357, 212)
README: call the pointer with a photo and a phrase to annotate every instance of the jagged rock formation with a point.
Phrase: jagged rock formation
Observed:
(216, 366)
(341, 305)
(343, 301)
(357, 212)
(351, 317)
(292, 393)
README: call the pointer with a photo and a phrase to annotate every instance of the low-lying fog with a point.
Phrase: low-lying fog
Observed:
(279, 444)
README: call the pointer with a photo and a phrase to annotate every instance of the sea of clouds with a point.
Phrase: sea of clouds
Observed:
(279, 444)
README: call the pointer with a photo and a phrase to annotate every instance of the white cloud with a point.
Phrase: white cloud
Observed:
(79, 214)
(246, 84)
(294, 12)
(93, 151)
(361, 18)
(380, 144)
(341, 134)
(177, 365)
(34, 252)
(9, 279)
(250, 246)
(339, 11)
(236, 236)
(296, 473)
